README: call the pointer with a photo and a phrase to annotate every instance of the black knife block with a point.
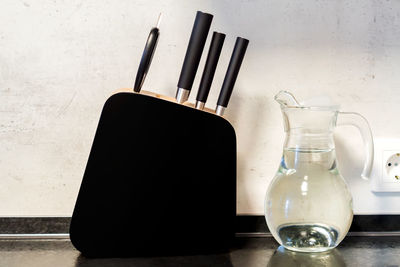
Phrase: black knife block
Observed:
(160, 180)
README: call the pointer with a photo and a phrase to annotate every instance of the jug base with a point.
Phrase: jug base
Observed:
(308, 237)
(308, 250)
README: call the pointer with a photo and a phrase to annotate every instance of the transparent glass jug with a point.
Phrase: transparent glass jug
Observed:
(308, 206)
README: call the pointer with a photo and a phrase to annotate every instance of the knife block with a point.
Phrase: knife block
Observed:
(160, 180)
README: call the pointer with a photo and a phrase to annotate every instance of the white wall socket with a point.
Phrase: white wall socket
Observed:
(385, 176)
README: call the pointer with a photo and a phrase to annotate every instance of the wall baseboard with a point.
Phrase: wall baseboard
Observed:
(244, 224)
(361, 223)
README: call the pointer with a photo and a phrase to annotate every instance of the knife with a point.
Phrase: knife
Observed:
(214, 52)
(194, 50)
(231, 74)
(147, 56)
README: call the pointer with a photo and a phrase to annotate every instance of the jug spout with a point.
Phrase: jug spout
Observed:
(315, 115)
(310, 124)
(286, 99)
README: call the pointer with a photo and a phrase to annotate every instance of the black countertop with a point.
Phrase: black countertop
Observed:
(257, 251)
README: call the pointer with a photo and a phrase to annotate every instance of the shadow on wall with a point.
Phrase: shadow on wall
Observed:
(256, 114)
(349, 158)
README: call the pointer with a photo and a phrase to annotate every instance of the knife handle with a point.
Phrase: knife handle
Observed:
(232, 72)
(147, 56)
(194, 50)
(214, 52)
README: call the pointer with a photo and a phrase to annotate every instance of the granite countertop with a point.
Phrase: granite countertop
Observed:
(256, 251)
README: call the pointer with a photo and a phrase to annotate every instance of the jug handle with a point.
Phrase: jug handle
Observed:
(357, 120)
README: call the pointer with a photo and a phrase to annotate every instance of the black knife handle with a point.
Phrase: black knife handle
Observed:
(214, 52)
(197, 41)
(233, 71)
(147, 56)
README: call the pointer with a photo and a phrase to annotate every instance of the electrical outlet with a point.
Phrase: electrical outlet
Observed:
(385, 176)
(392, 165)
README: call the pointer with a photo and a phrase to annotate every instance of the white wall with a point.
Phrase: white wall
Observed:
(60, 60)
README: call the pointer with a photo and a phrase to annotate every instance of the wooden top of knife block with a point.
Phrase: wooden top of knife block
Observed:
(167, 98)
(160, 180)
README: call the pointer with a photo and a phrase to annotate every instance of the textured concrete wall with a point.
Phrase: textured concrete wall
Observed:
(60, 60)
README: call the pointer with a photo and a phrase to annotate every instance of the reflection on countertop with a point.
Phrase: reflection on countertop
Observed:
(249, 252)
(286, 258)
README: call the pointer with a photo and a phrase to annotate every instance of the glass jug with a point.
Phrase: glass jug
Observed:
(308, 206)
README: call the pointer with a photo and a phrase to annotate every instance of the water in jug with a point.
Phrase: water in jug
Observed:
(308, 206)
